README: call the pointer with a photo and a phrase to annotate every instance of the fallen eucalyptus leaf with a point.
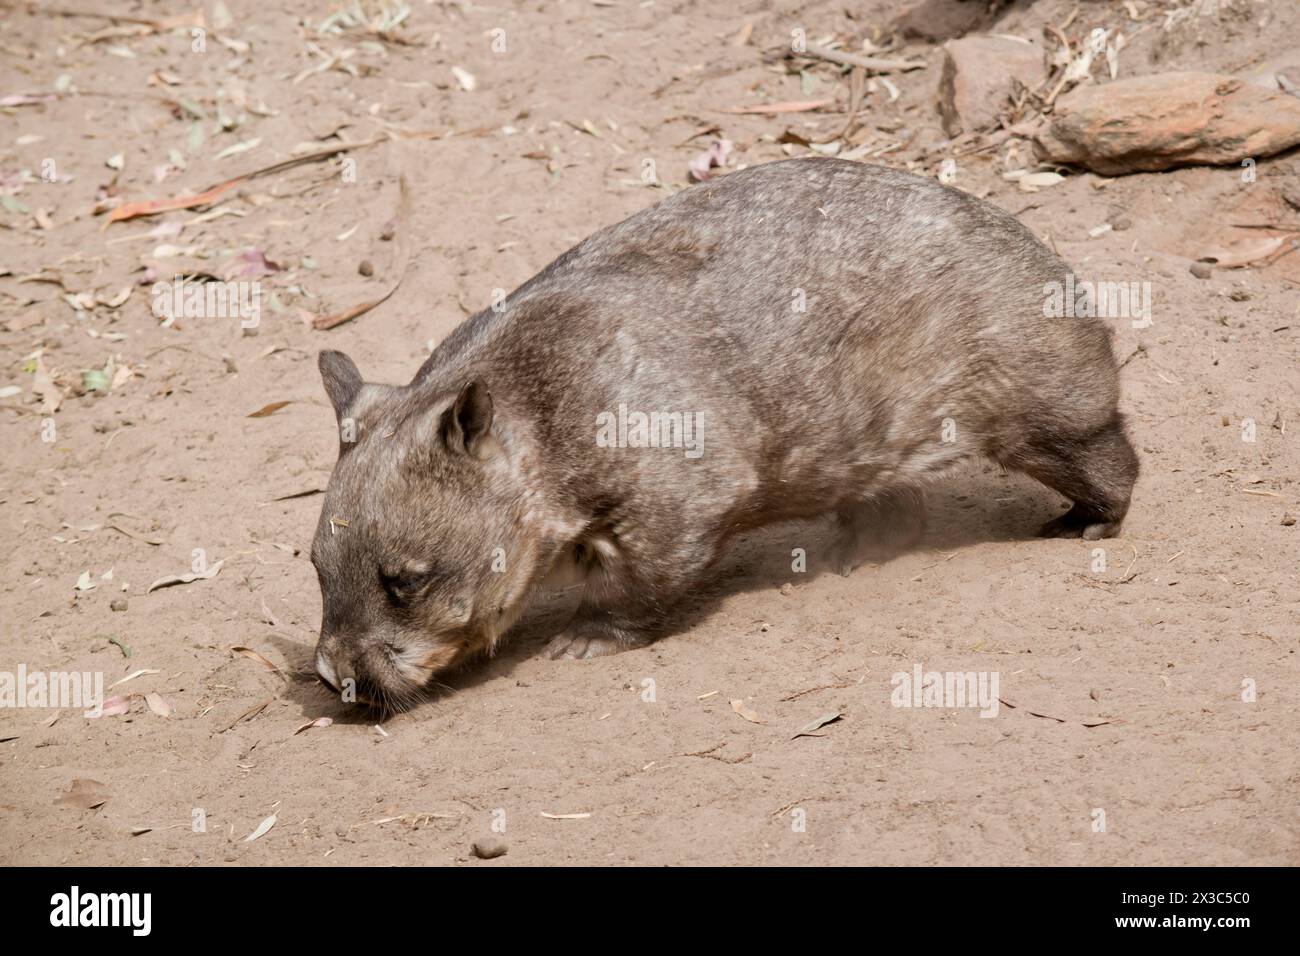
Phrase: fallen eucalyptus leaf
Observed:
(262, 829)
(739, 707)
(186, 578)
(807, 729)
(318, 722)
(85, 794)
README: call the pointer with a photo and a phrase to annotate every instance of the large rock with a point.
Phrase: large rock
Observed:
(976, 85)
(1159, 122)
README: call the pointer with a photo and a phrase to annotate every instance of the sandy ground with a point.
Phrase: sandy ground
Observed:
(1127, 681)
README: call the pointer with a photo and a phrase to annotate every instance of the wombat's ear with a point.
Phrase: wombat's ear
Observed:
(342, 380)
(467, 425)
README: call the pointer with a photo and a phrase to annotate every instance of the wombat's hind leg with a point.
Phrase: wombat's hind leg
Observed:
(880, 529)
(1096, 472)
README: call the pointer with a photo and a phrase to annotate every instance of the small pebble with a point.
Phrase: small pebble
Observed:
(366, 268)
(1288, 520)
(1202, 270)
(117, 604)
(1121, 225)
(787, 589)
(489, 848)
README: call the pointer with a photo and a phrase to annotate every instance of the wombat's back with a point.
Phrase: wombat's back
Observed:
(875, 301)
(829, 318)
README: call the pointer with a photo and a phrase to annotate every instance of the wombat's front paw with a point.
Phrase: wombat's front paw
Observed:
(579, 647)
(879, 530)
(580, 643)
(1079, 523)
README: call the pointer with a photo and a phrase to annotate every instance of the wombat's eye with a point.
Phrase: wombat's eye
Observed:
(405, 585)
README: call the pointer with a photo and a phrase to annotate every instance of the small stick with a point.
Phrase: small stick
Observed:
(152, 207)
(876, 64)
(36, 8)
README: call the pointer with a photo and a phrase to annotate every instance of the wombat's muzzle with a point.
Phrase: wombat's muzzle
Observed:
(332, 666)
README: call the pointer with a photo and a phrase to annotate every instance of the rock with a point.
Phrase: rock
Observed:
(942, 19)
(366, 268)
(1288, 520)
(1123, 224)
(976, 82)
(489, 848)
(1202, 270)
(1166, 120)
(117, 604)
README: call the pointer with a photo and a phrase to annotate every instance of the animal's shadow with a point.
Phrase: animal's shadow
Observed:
(979, 505)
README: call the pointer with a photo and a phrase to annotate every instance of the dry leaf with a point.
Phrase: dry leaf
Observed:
(318, 722)
(270, 409)
(152, 207)
(248, 714)
(781, 107)
(158, 705)
(252, 655)
(268, 616)
(1245, 253)
(115, 707)
(132, 534)
(739, 707)
(186, 578)
(262, 829)
(239, 148)
(85, 793)
(252, 264)
(464, 78)
(715, 155)
(807, 729)
(43, 387)
(1032, 182)
(133, 675)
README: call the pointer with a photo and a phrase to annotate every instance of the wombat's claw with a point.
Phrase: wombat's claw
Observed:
(1073, 524)
(846, 563)
(581, 647)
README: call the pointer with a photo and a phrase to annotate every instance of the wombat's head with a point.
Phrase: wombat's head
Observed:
(422, 548)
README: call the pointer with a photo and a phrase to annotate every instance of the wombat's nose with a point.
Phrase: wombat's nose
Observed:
(331, 666)
(325, 669)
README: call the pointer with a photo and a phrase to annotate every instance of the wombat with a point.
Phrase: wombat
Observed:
(797, 339)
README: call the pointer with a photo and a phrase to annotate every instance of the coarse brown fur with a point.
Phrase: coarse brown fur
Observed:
(841, 334)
